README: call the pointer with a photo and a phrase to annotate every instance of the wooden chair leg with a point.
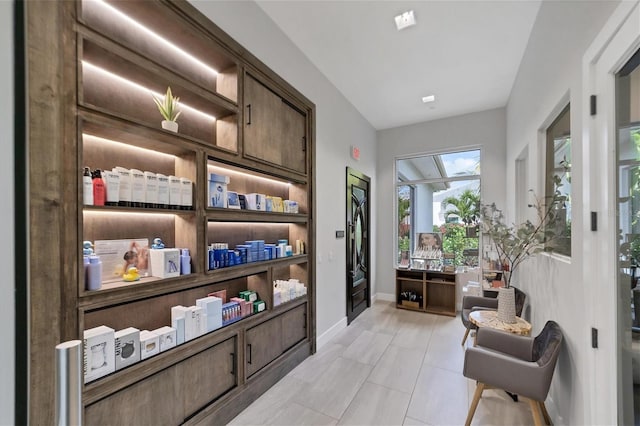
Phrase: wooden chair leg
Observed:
(464, 339)
(537, 421)
(474, 404)
(545, 413)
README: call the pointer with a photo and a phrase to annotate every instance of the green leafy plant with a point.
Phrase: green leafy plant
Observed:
(466, 207)
(168, 106)
(516, 243)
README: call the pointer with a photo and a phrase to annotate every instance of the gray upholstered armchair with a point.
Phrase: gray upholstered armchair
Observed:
(472, 303)
(517, 364)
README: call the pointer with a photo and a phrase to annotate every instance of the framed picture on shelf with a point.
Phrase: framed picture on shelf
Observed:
(428, 241)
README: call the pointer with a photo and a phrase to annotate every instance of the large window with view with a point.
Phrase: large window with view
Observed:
(438, 203)
(558, 181)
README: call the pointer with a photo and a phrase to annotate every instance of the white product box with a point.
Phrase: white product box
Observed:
(218, 190)
(186, 193)
(212, 310)
(112, 187)
(178, 325)
(151, 188)
(124, 193)
(137, 187)
(277, 297)
(193, 322)
(163, 190)
(290, 206)
(175, 194)
(165, 263)
(149, 344)
(256, 201)
(166, 337)
(99, 355)
(178, 320)
(127, 347)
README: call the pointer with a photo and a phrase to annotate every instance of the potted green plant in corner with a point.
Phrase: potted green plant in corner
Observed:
(168, 108)
(516, 243)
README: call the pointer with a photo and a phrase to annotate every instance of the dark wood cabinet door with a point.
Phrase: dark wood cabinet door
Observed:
(294, 138)
(263, 345)
(294, 326)
(151, 401)
(274, 131)
(208, 375)
(261, 122)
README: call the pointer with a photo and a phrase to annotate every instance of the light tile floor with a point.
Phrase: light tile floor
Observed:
(389, 367)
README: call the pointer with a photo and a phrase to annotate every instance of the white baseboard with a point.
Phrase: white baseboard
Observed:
(385, 297)
(325, 337)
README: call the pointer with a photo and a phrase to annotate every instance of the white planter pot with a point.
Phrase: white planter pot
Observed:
(507, 305)
(170, 125)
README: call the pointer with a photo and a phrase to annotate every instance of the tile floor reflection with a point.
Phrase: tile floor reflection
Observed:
(389, 367)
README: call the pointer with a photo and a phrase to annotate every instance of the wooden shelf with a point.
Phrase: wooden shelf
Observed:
(111, 68)
(234, 215)
(437, 290)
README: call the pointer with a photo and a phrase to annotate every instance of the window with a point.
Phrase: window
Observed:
(438, 194)
(558, 180)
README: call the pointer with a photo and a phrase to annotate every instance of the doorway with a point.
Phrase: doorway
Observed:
(358, 249)
(628, 213)
(612, 172)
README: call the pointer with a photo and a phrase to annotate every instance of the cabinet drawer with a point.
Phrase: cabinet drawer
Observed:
(208, 375)
(294, 326)
(263, 345)
(150, 401)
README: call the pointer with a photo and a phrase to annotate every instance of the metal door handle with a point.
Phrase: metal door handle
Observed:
(249, 360)
(249, 114)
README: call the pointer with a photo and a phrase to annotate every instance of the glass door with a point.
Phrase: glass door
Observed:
(628, 216)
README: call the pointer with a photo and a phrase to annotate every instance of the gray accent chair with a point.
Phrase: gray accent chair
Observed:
(474, 303)
(517, 364)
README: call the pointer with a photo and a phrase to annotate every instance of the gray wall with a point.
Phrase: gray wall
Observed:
(550, 75)
(338, 126)
(484, 130)
(6, 214)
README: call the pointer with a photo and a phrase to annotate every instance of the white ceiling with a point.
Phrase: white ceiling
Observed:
(466, 53)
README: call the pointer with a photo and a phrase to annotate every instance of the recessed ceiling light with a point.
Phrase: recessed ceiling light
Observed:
(427, 99)
(405, 20)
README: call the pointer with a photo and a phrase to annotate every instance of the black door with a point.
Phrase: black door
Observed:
(358, 296)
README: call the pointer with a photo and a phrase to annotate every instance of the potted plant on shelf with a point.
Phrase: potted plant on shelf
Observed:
(168, 108)
(516, 243)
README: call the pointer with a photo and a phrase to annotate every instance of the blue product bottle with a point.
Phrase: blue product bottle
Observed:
(94, 273)
(185, 262)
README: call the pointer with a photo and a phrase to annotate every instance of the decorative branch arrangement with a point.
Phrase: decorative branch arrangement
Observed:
(516, 243)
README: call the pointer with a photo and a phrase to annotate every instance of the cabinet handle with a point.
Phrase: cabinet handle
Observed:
(249, 114)
(249, 360)
(233, 363)
(304, 144)
(305, 320)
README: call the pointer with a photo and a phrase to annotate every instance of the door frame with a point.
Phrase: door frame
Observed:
(610, 50)
(361, 176)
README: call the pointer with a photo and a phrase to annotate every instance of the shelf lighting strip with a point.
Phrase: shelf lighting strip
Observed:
(121, 145)
(222, 170)
(139, 87)
(118, 14)
(143, 215)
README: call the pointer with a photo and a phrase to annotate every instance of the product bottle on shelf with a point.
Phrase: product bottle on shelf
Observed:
(87, 187)
(99, 196)
(185, 262)
(94, 273)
